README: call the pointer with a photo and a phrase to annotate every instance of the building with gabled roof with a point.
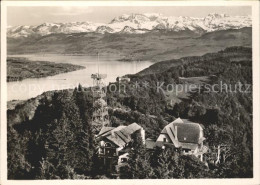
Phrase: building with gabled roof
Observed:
(114, 142)
(182, 133)
(121, 135)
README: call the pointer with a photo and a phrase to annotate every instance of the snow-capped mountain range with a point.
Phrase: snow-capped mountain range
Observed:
(137, 24)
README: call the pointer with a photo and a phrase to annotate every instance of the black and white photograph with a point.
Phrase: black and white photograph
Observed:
(129, 91)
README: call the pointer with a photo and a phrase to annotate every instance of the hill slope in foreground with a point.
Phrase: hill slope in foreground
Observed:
(51, 136)
(155, 46)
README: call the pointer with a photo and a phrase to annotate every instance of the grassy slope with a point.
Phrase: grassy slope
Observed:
(21, 68)
(181, 74)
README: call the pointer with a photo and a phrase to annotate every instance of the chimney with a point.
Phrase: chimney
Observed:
(113, 133)
(175, 133)
(143, 135)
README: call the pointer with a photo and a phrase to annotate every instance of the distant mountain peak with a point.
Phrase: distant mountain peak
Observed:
(138, 23)
(104, 29)
(217, 15)
(153, 14)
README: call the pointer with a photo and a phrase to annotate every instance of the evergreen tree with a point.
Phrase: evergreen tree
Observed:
(138, 165)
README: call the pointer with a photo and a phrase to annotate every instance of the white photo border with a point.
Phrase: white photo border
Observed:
(256, 92)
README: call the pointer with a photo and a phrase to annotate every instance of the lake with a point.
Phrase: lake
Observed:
(32, 87)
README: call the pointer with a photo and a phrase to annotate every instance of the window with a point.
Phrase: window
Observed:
(164, 139)
(123, 159)
(186, 150)
(108, 145)
(101, 150)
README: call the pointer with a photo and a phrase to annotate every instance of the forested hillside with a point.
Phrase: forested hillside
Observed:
(51, 136)
(225, 114)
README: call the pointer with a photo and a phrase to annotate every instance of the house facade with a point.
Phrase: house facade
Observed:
(123, 79)
(114, 144)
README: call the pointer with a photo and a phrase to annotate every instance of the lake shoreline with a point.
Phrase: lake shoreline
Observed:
(118, 57)
(32, 87)
(35, 69)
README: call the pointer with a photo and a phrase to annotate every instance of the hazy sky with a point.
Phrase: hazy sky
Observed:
(38, 15)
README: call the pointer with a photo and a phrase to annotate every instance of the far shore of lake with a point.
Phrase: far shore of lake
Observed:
(19, 68)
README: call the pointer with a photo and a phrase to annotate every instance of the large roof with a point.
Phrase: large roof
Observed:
(191, 146)
(120, 135)
(188, 133)
(105, 130)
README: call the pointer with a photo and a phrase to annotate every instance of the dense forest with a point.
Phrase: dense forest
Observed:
(51, 136)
